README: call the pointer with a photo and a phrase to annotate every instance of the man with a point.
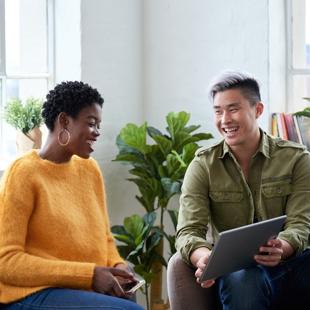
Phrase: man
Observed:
(248, 177)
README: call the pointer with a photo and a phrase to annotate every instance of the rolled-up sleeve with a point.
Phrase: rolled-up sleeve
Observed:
(297, 227)
(194, 211)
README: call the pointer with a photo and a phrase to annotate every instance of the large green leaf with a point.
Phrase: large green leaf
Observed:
(147, 202)
(119, 230)
(140, 172)
(124, 148)
(152, 131)
(124, 238)
(149, 218)
(189, 152)
(191, 128)
(134, 225)
(174, 217)
(135, 136)
(202, 136)
(165, 145)
(176, 122)
(171, 187)
(181, 139)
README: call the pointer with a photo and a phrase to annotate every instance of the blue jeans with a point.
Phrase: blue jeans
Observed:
(69, 299)
(286, 286)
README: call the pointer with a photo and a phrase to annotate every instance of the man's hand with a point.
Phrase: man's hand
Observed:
(199, 258)
(274, 252)
(105, 280)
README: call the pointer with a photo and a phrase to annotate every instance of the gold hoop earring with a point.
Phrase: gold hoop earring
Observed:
(64, 131)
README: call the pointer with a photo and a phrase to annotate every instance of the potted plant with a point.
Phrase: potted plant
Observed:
(140, 238)
(27, 119)
(158, 170)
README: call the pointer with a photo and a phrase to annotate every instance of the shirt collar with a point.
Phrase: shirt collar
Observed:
(263, 147)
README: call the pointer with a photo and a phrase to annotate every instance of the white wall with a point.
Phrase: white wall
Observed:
(188, 42)
(68, 40)
(277, 56)
(111, 37)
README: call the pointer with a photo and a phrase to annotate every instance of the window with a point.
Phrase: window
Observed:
(26, 57)
(298, 56)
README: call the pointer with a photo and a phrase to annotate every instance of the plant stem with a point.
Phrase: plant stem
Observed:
(161, 218)
(147, 296)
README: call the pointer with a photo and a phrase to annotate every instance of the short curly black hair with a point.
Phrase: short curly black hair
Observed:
(69, 97)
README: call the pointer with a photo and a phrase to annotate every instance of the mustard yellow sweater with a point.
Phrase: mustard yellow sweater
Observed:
(54, 226)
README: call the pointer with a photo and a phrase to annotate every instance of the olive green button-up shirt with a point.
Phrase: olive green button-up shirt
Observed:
(216, 195)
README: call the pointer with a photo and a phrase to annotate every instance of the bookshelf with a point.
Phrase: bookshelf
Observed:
(291, 127)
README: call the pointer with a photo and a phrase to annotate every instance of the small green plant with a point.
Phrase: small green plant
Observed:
(139, 238)
(24, 117)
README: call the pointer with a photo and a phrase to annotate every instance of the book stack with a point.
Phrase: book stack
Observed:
(291, 127)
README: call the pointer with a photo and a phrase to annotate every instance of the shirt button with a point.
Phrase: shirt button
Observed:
(279, 190)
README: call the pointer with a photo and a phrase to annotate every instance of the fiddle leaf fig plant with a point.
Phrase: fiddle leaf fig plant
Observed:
(158, 168)
(157, 163)
(139, 237)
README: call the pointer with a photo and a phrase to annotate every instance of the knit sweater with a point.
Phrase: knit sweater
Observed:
(54, 226)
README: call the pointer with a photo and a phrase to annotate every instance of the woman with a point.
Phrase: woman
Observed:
(56, 248)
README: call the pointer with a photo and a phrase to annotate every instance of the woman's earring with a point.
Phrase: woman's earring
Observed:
(60, 135)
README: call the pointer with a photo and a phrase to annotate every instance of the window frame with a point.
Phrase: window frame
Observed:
(49, 76)
(291, 71)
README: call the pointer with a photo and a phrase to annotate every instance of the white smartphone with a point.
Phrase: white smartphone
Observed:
(131, 288)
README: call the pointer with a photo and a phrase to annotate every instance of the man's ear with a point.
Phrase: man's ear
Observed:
(63, 120)
(259, 109)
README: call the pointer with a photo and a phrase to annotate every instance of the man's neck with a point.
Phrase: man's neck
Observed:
(245, 152)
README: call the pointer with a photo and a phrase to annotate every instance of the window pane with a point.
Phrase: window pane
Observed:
(26, 36)
(301, 87)
(301, 34)
(25, 88)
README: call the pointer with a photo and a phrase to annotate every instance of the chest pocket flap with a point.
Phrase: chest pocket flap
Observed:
(277, 190)
(221, 196)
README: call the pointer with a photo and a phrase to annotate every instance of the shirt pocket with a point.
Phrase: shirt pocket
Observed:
(274, 197)
(225, 208)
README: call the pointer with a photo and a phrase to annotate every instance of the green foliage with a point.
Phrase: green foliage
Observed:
(158, 162)
(158, 169)
(24, 117)
(139, 238)
(305, 112)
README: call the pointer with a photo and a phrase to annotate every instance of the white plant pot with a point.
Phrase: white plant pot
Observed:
(32, 140)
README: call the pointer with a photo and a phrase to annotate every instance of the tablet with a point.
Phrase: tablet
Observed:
(235, 248)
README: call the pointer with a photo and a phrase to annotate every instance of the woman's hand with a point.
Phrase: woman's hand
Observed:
(105, 280)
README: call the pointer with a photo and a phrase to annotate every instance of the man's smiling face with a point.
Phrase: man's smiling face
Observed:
(235, 117)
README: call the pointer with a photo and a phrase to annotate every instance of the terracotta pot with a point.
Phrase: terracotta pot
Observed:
(32, 140)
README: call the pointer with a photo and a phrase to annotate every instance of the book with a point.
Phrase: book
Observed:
(291, 129)
(304, 128)
(297, 129)
(274, 125)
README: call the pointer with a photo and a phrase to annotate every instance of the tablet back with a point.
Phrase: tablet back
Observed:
(235, 248)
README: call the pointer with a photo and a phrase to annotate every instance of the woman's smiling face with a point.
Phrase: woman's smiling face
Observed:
(84, 130)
